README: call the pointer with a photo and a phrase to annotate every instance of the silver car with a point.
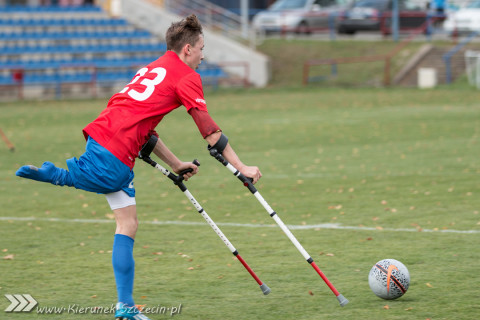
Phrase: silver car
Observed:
(465, 20)
(299, 16)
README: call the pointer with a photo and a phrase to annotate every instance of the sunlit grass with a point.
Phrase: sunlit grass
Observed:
(373, 160)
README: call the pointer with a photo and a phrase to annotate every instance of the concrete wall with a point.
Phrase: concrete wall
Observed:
(218, 49)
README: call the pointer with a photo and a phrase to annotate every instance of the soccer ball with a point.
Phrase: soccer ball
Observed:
(389, 279)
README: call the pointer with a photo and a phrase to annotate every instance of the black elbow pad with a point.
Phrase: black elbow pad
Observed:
(220, 145)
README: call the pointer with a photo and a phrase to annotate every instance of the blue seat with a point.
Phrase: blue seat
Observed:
(6, 80)
(134, 55)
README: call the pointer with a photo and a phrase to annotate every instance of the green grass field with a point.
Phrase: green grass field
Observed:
(394, 173)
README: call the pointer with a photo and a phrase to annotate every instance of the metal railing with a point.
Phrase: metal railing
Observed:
(212, 16)
(447, 57)
(386, 59)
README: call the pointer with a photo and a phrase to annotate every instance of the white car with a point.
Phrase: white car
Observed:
(465, 20)
(300, 16)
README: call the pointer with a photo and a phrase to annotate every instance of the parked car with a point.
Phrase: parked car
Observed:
(300, 16)
(375, 15)
(464, 20)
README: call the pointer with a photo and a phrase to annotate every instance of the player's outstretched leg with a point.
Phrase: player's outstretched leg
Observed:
(47, 173)
(125, 312)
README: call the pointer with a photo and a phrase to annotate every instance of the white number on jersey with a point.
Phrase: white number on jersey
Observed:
(148, 83)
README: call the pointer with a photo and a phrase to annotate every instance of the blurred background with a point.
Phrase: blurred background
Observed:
(86, 48)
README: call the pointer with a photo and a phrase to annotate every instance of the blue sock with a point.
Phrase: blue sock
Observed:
(47, 173)
(123, 267)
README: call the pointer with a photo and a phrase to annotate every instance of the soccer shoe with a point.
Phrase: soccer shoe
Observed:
(124, 312)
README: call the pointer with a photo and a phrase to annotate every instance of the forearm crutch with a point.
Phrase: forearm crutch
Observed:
(144, 154)
(247, 182)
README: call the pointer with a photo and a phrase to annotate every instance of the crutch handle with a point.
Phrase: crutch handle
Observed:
(180, 175)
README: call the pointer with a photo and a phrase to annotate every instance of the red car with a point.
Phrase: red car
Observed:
(376, 15)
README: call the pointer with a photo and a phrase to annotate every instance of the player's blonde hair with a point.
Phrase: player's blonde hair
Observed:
(186, 31)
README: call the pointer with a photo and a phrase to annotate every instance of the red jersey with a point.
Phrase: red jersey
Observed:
(132, 114)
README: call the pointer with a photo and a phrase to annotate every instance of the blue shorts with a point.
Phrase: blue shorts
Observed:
(98, 170)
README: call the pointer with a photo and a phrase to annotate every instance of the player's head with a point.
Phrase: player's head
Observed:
(185, 37)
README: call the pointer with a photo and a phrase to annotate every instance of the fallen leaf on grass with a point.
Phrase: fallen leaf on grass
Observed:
(386, 307)
(310, 292)
(8, 257)
(428, 285)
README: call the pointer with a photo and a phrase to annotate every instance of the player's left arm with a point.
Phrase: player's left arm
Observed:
(167, 156)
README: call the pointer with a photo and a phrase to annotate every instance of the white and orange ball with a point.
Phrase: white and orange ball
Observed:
(389, 279)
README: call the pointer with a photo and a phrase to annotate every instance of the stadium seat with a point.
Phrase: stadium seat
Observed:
(41, 40)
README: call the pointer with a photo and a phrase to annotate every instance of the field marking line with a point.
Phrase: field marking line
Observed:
(331, 226)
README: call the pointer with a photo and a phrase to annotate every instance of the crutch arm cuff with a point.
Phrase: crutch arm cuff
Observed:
(148, 147)
(220, 145)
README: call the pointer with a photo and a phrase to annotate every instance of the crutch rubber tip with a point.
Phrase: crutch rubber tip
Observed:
(265, 289)
(343, 301)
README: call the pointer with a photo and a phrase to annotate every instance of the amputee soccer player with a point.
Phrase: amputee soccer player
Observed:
(116, 136)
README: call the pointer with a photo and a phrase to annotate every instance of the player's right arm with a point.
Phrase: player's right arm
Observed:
(190, 92)
(229, 154)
